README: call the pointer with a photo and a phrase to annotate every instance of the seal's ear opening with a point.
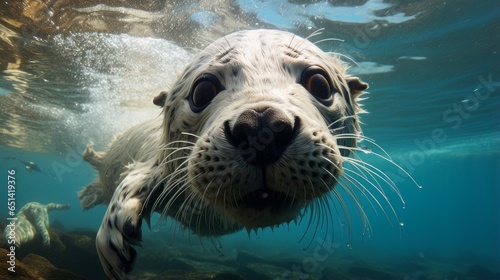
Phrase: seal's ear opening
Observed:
(356, 86)
(160, 99)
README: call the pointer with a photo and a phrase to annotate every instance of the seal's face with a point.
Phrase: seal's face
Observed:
(267, 109)
(255, 130)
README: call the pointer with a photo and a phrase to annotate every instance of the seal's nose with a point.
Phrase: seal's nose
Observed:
(261, 135)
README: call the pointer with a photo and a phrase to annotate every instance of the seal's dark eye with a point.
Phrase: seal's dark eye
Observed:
(205, 88)
(316, 81)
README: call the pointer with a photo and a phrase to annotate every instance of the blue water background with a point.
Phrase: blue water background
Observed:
(432, 68)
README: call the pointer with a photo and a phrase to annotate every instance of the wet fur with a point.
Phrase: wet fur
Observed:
(179, 164)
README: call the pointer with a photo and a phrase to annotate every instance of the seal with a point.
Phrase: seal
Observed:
(33, 219)
(252, 134)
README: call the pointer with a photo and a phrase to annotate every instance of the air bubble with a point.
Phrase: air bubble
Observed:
(401, 224)
(366, 149)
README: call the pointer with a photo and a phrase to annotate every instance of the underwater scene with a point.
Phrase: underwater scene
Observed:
(417, 198)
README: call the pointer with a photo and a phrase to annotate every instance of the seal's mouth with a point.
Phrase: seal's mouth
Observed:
(266, 199)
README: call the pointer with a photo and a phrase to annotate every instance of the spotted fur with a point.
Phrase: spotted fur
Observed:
(32, 220)
(185, 165)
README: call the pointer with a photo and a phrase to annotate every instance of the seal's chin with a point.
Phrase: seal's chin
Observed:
(264, 207)
(266, 199)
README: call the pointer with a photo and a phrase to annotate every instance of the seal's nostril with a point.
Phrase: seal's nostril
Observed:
(262, 136)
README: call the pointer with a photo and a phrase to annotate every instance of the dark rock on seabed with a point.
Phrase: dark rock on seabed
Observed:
(480, 272)
(45, 269)
(33, 267)
(72, 255)
(367, 272)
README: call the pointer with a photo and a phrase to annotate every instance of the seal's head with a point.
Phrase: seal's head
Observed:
(268, 118)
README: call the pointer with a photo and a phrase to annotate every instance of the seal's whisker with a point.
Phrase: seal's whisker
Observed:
(331, 202)
(347, 187)
(306, 40)
(229, 44)
(153, 189)
(340, 120)
(166, 181)
(291, 40)
(322, 222)
(207, 41)
(194, 207)
(361, 138)
(237, 196)
(378, 173)
(191, 134)
(210, 219)
(343, 206)
(362, 169)
(321, 218)
(326, 216)
(352, 194)
(309, 207)
(374, 182)
(172, 160)
(329, 214)
(186, 207)
(363, 190)
(372, 171)
(389, 160)
(317, 209)
(353, 182)
(191, 207)
(293, 197)
(170, 185)
(181, 190)
(194, 201)
(181, 141)
(357, 136)
(192, 211)
(334, 131)
(169, 158)
(315, 33)
(336, 54)
(175, 192)
(167, 147)
(221, 50)
(217, 245)
(328, 40)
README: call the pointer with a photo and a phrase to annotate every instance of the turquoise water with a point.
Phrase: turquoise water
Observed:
(433, 105)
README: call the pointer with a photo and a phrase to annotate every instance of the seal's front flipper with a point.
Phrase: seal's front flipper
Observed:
(121, 226)
(113, 243)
